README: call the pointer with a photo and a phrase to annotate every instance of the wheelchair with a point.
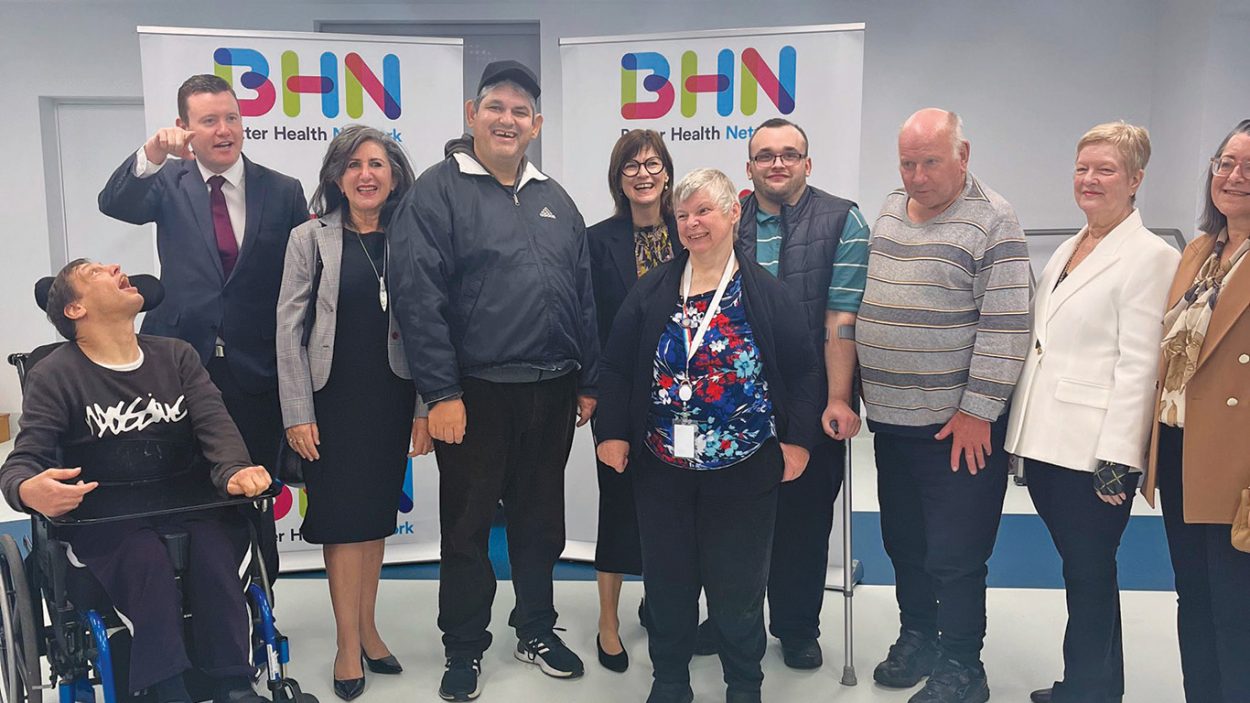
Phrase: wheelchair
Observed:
(74, 626)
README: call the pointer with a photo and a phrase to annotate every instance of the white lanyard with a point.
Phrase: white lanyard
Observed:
(692, 345)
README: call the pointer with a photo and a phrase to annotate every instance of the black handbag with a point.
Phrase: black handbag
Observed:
(290, 463)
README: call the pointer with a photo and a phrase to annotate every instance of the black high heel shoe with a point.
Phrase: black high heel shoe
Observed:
(348, 689)
(612, 662)
(386, 665)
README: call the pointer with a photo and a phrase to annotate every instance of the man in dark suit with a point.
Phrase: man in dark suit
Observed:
(222, 224)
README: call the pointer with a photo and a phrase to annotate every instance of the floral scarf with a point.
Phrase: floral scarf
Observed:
(1187, 324)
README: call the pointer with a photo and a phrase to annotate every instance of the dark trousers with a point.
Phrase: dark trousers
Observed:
(516, 444)
(1087, 532)
(800, 563)
(939, 529)
(709, 530)
(132, 564)
(259, 419)
(1212, 590)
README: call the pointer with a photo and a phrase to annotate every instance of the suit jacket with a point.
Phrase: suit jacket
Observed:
(1216, 453)
(1087, 388)
(613, 268)
(201, 304)
(303, 370)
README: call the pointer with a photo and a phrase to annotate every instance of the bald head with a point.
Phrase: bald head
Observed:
(933, 160)
(934, 124)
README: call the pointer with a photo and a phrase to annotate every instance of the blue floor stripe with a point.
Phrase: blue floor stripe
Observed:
(1024, 556)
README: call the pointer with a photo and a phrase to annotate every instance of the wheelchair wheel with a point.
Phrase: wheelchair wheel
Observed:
(19, 654)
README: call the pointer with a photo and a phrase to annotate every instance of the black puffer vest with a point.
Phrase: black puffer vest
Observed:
(810, 232)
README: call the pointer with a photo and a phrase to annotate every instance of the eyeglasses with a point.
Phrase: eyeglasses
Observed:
(1225, 166)
(768, 158)
(654, 167)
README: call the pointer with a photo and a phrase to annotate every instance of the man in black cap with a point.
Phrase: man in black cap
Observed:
(494, 300)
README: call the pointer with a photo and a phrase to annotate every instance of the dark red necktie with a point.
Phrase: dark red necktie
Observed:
(227, 246)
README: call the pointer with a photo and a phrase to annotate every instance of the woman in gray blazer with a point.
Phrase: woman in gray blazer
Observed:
(348, 402)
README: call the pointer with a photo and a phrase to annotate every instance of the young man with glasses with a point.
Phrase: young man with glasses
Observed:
(817, 244)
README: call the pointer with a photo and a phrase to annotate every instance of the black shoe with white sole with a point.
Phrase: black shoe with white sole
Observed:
(551, 655)
(460, 681)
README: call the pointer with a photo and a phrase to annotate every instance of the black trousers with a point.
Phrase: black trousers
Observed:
(259, 419)
(1212, 591)
(710, 531)
(939, 529)
(800, 563)
(1087, 532)
(516, 444)
(132, 564)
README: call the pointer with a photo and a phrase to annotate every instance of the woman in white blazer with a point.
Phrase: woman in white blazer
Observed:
(1080, 417)
(348, 401)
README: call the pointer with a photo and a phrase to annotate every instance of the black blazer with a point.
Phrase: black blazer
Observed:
(780, 331)
(613, 268)
(200, 303)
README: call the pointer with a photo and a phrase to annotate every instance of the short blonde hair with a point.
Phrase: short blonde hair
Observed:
(1130, 141)
(714, 182)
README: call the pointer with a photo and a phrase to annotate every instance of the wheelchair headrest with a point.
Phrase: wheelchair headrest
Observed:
(150, 287)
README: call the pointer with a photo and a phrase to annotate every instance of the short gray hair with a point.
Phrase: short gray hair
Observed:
(486, 89)
(715, 183)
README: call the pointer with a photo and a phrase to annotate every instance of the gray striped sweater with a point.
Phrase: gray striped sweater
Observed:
(944, 325)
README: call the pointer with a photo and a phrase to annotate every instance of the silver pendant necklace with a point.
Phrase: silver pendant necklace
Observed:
(386, 258)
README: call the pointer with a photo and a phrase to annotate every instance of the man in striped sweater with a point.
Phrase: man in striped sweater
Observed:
(941, 337)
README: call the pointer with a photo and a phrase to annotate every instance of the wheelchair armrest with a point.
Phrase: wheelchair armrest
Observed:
(178, 544)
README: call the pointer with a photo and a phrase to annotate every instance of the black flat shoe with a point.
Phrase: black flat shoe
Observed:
(612, 662)
(386, 665)
(348, 689)
(1041, 695)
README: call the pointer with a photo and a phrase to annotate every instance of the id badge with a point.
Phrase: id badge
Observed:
(683, 439)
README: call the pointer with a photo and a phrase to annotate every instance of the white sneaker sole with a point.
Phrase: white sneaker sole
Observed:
(473, 694)
(525, 657)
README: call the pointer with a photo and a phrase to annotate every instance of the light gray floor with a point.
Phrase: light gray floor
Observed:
(1022, 650)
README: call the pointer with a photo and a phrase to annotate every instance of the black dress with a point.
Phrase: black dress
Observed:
(364, 414)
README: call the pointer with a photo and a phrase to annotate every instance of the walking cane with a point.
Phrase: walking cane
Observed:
(848, 577)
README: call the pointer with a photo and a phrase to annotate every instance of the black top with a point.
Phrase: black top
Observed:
(613, 266)
(790, 366)
(70, 403)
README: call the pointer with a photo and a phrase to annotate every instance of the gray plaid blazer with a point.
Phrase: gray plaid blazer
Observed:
(303, 370)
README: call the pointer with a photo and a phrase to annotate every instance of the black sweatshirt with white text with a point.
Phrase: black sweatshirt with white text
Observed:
(70, 401)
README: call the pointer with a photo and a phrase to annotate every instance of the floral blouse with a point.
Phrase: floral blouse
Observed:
(652, 247)
(730, 401)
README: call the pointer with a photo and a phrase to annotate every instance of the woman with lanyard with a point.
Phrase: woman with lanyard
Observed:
(709, 396)
(347, 399)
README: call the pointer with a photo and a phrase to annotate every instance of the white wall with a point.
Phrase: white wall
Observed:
(1028, 77)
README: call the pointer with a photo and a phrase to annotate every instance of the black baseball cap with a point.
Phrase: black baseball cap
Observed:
(510, 70)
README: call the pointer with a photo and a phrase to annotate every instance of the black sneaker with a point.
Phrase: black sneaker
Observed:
(460, 679)
(662, 692)
(706, 641)
(911, 658)
(550, 653)
(952, 682)
(802, 653)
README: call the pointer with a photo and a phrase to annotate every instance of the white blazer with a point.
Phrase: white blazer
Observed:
(1087, 390)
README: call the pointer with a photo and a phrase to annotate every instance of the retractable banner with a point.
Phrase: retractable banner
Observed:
(296, 90)
(704, 92)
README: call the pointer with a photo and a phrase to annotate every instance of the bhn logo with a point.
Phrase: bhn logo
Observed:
(357, 81)
(755, 74)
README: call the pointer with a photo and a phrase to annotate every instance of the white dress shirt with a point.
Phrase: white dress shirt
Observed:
(234, 188)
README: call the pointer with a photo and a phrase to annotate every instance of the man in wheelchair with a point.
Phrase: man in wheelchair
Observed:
(101, 395)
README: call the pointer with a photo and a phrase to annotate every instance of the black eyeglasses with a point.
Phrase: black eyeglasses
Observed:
(654, 167)
(768, 158)
(1225, 166)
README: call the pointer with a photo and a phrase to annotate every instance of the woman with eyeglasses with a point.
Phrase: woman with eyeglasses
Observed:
(1200, 450)
(640, 235)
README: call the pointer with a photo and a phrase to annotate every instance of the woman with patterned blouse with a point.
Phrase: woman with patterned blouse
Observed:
(709, 395)
(639, 236)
